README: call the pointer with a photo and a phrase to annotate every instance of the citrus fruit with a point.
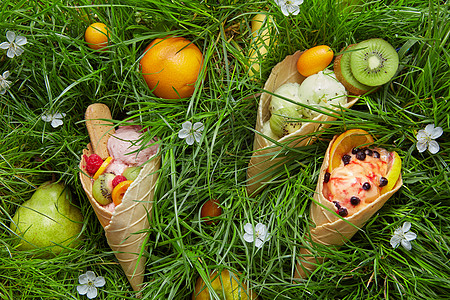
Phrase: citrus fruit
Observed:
(226, 287)
(314, 60)
(119, 191)
(345, 142)
(103, 167)
(393, 171)
(97, 36)
(209, 210)
(171, 67)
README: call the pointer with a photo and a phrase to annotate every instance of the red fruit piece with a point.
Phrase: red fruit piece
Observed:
(93, 163)
(118, 179)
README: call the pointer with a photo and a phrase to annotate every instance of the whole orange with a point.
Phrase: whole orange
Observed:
(314, 60)
(171, 66)
(97, 36)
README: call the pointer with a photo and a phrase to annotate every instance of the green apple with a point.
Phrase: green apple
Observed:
(48, 220)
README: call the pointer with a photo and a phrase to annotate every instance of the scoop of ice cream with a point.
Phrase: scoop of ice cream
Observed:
(356, 182)
(321, 89)
(289, 91)
(125, 147)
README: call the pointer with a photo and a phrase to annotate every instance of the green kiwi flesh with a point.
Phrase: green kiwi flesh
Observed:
(344, 74)
(375, 63)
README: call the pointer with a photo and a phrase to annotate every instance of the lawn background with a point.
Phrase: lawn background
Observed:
(58, 72)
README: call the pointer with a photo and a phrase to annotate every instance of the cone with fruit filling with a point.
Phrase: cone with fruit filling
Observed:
(267, 156)
(126, 227)
(332, 229)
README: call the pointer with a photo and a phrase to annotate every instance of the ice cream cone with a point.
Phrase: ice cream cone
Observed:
(267, 156)
(330, 229)
(126, 227)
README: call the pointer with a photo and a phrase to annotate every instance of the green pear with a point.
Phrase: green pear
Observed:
(48, 220)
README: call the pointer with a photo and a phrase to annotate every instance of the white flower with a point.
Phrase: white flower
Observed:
(259, 234)
(55, 119)
(426, 138)
(403, 236)
(89, 284)
(14, 44)
(190, 132)
(289, 7)
(4, 84)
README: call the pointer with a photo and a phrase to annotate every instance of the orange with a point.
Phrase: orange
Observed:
(102, 168)
(171, 66)
(393, 171)
(345, 142)
(314, 60)
(97, 36)
(119, 190)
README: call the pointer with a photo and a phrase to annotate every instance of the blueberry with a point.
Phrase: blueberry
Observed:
(376, 154)
(383, 181)
(346, 159)
(326, 177)
(354, 200)
(361, 155)
(336, 203)
(343, 212)
(366, 186)
(355, 150)
(368, 152)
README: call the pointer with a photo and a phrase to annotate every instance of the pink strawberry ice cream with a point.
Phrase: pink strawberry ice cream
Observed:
(126, 150)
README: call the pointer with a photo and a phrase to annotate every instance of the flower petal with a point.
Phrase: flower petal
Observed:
(56, 122)
(248, 237)
(261, 228)
(19, 51)
(197, 136)
(4, 45)
(99, 281)
(406, 226)
(190, 139)
(248, 227)
(422, 146)
(82, 289)
(406, 244)
(436, 132)
(433, 147)
(59, 115)
(187, 125)
(11, 53)
(259, 243)
(5, 74)
(90, 275)
(421, 135)
(83, 279)
(198, 126)
(395, 240)
(2, 92)
(92, 292)
(293, 9)
(10, 36)
(21, 40)
(284, 10)
(183, 133)
(409, 236)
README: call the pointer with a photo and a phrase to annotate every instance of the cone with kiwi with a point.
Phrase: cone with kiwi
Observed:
(333, 223)
(125, 228)
(267, 156)
(362, 68)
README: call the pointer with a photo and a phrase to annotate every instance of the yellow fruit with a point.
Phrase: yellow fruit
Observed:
(345, 142)
(260, 41)
(393, 171)
(97, 36)
(230, 290)
(314, 60)
(171, 67)
(102, 167)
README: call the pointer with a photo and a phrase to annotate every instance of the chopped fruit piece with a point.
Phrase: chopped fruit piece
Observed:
(210, 209)
(93, 163)
(102, 167)
(102, 188)
(118, 179)
(393, 171)
(345, 143)
(119, 191)
(326, 177)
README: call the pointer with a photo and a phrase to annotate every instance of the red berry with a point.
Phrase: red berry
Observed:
(118, 179)
(93, 163)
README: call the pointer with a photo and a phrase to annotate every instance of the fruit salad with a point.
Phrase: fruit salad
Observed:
(112, 177)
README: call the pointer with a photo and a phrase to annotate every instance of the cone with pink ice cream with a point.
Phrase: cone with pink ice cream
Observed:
(268, 155)
(354, 183)
(125, 224)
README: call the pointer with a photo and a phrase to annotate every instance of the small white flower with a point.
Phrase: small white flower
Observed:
(259, 234)
(289, 7)
(14, 44)
(426, 139)
(191, 133)
(404, 236)
(55, 119)
(4, 84)
(89, 284)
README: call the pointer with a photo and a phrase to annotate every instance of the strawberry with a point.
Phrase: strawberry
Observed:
(118, 179)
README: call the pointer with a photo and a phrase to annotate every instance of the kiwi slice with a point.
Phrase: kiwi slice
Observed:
(102, 188)
(344, 74)
(282, 121)
(375, 63)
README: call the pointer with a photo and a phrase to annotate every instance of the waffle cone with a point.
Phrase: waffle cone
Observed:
(330, 229)
(267, 156)
(126, 227)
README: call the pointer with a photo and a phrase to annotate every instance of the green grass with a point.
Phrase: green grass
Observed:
(58, 72)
